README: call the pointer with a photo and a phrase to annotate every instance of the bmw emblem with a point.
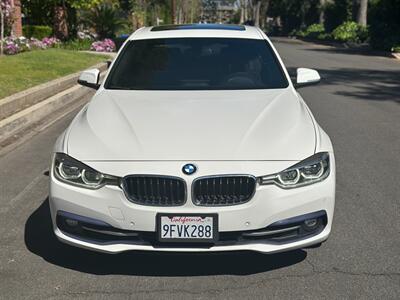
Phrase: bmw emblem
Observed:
(189, 169)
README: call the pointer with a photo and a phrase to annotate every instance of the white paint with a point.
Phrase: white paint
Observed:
(257, 132)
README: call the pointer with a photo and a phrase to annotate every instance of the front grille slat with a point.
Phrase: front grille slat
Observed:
(155, 190)
(223, 190)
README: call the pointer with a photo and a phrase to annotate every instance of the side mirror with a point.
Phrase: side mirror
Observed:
(306, 77)
(90, 78)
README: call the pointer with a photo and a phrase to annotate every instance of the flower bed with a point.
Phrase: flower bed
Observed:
(106, 45)
(17, 45)
(14, 46)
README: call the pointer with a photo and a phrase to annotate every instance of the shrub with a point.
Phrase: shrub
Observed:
(350, 32)
(324, 36)
(51, 42)
(105, 20)
(78, 44)
(314, 30)
(22, 44)
(298, 33)
(337, 12)
(396, 49)
(35, 31)
(106, 45)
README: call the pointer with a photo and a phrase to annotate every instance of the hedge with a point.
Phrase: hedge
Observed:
(37, 31)
(350, 32)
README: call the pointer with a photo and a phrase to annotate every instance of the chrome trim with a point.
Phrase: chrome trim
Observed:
(109, 232)
(274, 178)
(269, 232)
(224, 175)
(55, 170)
(122, 182)
(196, 168)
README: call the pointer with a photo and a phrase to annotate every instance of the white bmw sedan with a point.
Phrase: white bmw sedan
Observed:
(196, 140)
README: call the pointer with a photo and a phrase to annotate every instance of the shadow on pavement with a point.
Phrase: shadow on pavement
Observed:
(361, 84)
(365, 51)
(331, 46)
(40, 240)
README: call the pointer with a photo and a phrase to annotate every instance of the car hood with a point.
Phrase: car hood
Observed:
(192, 126)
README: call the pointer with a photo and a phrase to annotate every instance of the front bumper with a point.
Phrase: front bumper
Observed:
(269, 205)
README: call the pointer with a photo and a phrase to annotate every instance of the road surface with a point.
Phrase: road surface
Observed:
(357, 103)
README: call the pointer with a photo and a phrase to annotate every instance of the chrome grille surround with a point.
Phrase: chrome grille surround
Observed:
(223, 190)
(155, 190)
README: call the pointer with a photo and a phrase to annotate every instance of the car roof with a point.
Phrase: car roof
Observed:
(197, 30)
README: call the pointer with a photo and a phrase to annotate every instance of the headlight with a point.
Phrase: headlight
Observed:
(309, 171)
(74, 172)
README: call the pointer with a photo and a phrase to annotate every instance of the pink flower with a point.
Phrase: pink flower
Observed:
(106, 45)
(11, 48)
(50, 42)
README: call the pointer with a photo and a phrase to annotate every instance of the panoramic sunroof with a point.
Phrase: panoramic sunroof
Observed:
(199, 26)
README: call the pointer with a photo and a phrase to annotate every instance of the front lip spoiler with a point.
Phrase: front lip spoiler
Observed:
(281, 232)
(270, 232)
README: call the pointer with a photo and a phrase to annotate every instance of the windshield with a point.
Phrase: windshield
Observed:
(196, 64)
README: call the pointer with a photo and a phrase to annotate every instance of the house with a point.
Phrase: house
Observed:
(221, 12)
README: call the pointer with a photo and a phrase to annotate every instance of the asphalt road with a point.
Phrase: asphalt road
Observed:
(357, 103)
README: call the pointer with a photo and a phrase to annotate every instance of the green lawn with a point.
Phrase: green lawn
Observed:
(24, 70)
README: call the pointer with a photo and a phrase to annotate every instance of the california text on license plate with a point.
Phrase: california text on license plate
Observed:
(187, 228)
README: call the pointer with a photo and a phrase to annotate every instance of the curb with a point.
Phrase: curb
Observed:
(396, 55)
(25, 99)
(288, 40)
(24, 118)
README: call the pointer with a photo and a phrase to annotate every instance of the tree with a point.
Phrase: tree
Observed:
(61, 8)
(257, 8)
(173, 11)
(362, 12)
(5, 21)
(151, 12)
(2, 28)
(322, 5)
(105, 20)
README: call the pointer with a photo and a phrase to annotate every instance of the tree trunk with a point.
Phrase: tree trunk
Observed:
(1, 30)
(60, 22)
(241, 15)
(245, 12)
(257, 14)
(264, 13)
(322, 4)
(192, 8)
(173, 10)
(362, 12)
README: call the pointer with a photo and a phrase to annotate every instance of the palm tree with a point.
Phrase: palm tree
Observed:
(105, 20)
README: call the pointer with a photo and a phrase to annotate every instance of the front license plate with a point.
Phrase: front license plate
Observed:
(187, 228)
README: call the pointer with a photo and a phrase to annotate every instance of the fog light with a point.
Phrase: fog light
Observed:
(71, 223)
(310, 224)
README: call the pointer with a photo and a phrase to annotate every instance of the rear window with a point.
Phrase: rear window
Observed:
(196, 64)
